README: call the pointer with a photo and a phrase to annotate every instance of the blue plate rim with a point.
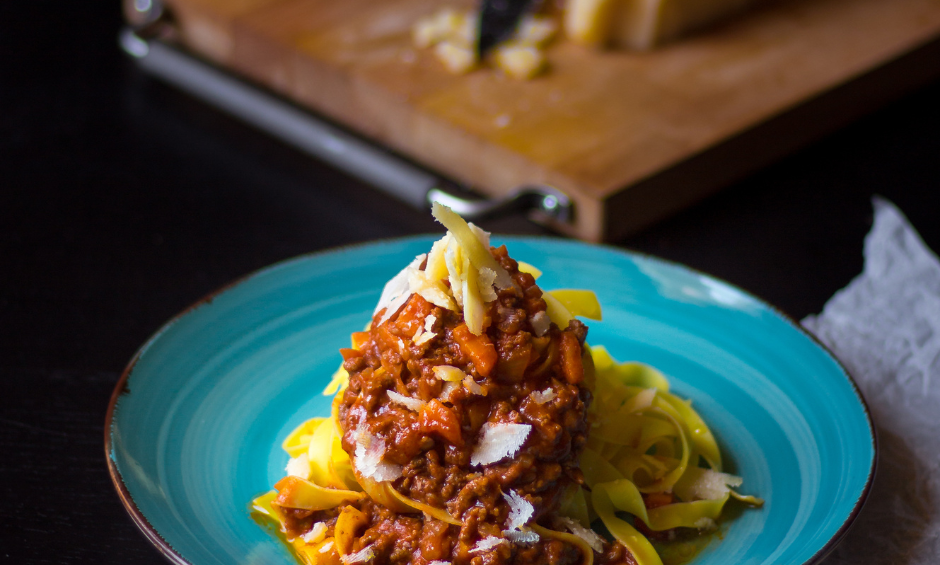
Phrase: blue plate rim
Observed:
(121, 387)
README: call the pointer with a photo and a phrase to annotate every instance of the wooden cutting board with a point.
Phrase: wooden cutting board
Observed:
(630, 137)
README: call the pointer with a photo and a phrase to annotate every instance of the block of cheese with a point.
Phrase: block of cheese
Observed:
(642, 24)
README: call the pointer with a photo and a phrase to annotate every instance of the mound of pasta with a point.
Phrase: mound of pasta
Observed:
(473, 424)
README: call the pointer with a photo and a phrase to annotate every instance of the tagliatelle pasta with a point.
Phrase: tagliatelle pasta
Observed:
(499, 433)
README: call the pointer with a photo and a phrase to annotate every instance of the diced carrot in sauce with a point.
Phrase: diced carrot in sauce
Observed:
(359, 339)
(571, 364)
(437, 418)
(513, 363)
(411, 316)
(349, 353)
(478, 348)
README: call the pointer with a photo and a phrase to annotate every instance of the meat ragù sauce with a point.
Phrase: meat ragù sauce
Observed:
(513, 375)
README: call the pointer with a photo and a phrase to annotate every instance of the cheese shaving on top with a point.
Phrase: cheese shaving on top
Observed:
(397, 286)
(361, 556)
(316, 533)
(369, 452)
(406, 401)
(706, 484)
(394, 306)
(447, 390)
(299, 466)
(543, 396)
(439, 563)
(487, 544)
(540, 323)
(588, 535)
(449, 373)
(499, 441)
(521, 537)
(520, 510)
(473, 387)
(486, 281)
(326, 547)
(424, 338)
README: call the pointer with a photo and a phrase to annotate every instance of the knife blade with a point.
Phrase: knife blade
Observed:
(498, 20)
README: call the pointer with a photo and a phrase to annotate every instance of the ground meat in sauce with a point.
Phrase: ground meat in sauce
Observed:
(435, 450)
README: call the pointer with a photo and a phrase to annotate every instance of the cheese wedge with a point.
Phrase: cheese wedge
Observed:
(642, 24)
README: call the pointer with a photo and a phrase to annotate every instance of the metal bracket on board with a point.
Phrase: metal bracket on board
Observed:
(390, 173)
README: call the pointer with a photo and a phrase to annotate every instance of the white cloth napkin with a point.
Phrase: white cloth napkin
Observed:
(885, 328)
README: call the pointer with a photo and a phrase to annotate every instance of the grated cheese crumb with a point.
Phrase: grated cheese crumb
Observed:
(520, 510)
(705, 523)
(361, 556)
(588, 535)
(487, 544)
(710, 485)
(326, 547)
(541, 397)
(499, 441)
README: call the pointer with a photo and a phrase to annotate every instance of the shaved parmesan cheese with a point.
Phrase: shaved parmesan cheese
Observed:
(540, 323)
(369, 452)
(447, 390)
(361, 556)
(482, 235)
(473, 387)
(588, 535)
(521, 537)
(541, 397)
(640, 401)
(432, 290)
(449, 373)
(436, 268)
(425, 337)
(705, 523)
(485, 283)
(397, 285)
(299, 466)
(453, 258)
(394, 306)
(406, 401)
(439, 563)
(401, 346)
(429, 322)
(487, 544)
(706, 484)
(499, 441)
(473, 306)
(470, 242)
(326, 547)
(316, 533)
(520, 510)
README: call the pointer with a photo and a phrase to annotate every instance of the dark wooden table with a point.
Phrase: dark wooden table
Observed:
(122, 201)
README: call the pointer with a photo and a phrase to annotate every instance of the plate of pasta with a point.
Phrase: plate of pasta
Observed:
(690, 423)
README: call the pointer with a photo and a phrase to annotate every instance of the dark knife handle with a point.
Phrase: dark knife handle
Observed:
(498, 21)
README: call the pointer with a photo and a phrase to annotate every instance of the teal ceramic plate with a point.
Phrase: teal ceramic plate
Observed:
(195, 425)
